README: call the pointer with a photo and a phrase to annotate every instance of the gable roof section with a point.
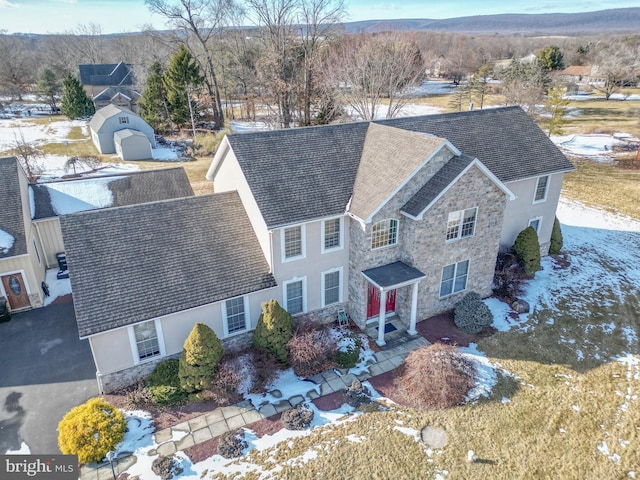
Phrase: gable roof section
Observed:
(301, 174)
(443, 179)
(106, 74)
(11, 218)
(81, 194)
(105, 113)
(135, 263)
(390, 157)
(110, 93)
(505, 140)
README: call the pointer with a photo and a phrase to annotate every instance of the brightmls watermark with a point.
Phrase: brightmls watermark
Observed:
(45, 467)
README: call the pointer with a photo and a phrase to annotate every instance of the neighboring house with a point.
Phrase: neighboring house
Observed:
(582, 75)
(118, 130)
(394, 218)
(109, 83)
(30, 235)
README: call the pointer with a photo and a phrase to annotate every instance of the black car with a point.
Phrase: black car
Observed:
(5, 316)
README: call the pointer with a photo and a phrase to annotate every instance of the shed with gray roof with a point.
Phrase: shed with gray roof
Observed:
(111, 119)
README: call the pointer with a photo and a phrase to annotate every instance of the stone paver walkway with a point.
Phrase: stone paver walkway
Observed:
(223, 419)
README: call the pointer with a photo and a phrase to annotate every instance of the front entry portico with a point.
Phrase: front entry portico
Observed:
(384, 281)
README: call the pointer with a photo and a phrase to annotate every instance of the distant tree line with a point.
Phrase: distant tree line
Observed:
(295, 62)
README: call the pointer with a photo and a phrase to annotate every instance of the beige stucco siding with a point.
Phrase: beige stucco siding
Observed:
(314, 262)
(113, 352)
(518, 212)
(229, 177)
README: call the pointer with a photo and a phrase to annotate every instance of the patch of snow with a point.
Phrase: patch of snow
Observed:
(355, 438)
(6, 242)
(164, 154)
(367, 356)
(486, 376)
(502, 321)
(505, 400)
(432, 87)
(410, 432)
(80, 195)
(23, 450)
(57, 288)
(288, 383)
(139, 434)
(238, 126)
(576, 408)
(46, 345)
(580, 355)
(597, 146)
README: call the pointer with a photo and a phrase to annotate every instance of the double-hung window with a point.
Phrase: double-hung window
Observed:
(461, 224)
(454, 278)
(146, 340)
(542, 186)
(331, 234)
(294, 296)
(535, 223)
(384, 234)
(331, 287)
(235, 315)
(293, 245)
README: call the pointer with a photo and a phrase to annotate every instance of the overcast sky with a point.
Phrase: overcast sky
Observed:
(114, 16)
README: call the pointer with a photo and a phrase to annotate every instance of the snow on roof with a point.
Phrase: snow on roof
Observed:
(6, 241)
(80, 195)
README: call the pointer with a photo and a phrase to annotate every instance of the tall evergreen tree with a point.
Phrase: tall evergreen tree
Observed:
(153, 102)
(48, 87)
(75, 102)
(180, 79)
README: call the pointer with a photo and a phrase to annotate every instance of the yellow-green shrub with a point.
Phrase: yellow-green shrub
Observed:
(91, 430)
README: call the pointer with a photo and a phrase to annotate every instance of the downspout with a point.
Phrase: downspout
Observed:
(44, 251)
(271, 252)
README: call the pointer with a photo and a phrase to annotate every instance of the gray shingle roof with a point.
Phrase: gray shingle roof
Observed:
(127, 189)
(131, 264)
(106, 74)
(393, 274)
(389, 157)
(11, 218)
(436, 184)
(105, 113)
(302, 174)
(108, 93)
(505, 140)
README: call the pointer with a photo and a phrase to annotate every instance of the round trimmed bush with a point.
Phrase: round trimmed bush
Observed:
(471, 315)
(201, 355)
(556, 238)
(164, 384)
(348, 353)
(527, 249)
(232, 443)
(91, 430)
(274, 330)
(436, 376)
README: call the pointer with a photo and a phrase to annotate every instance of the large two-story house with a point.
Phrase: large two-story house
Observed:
(399, 217)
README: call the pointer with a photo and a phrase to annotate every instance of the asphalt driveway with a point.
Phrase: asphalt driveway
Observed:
(45, 370)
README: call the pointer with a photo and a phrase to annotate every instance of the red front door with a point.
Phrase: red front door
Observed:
(373, 301)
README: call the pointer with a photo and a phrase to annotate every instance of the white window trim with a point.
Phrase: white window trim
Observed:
(304, 294)
(546, 189)
(303, 241)
(333, 249)
(391, 244)
(539, 219)
(247, 317)
(459, 236)
(134, 344)
(12, 272)
(340, 285)
(455, 271)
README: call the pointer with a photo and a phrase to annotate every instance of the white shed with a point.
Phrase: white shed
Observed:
(132, 145)
(111, 119)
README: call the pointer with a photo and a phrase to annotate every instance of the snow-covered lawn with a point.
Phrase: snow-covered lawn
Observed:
(597, 147)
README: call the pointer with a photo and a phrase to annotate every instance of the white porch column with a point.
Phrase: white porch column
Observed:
(381, 318)
(414, 310)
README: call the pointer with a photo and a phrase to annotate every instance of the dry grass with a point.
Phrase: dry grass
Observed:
(604, 185)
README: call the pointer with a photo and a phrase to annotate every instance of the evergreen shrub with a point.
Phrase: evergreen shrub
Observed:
(274, 330)
(91, 430)
(200, 356)
(471, 314)
(556, 238)
(527, 249)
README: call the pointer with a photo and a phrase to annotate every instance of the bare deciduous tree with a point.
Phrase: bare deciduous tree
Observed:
(616, 64)
(29, 156)
(367, 69)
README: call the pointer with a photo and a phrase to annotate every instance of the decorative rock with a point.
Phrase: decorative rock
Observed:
(434, 437)
(521, 306)
(276, 393)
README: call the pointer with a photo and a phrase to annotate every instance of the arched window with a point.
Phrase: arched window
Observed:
(384, 234)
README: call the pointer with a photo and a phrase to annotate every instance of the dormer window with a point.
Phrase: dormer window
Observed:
(384, 234)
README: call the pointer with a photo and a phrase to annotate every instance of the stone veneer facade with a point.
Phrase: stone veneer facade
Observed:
(422, 244)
